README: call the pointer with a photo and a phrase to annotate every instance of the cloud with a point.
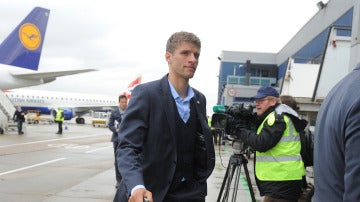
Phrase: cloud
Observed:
(125, 38)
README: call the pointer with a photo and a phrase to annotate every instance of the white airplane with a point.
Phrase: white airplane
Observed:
(73, 104)
(20, 54)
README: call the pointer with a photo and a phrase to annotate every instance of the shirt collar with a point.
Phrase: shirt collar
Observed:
(176, 96)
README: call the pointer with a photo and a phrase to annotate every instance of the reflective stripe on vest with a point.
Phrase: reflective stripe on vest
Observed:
(282, 162)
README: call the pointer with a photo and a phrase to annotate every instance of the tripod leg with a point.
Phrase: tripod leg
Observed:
(224, 182)
(234, 165)
(249, 182)
(229, 181)
(236, 183)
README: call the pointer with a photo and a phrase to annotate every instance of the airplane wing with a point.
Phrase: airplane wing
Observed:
(49, 76)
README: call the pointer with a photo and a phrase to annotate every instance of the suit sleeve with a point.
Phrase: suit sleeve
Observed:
(352, 157)
(111, 124)
(131, 138)
(204, 150)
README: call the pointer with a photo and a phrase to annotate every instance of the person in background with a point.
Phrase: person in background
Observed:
(337, 142)
(19, 117)
(291, 102)
(213, 132)
(166, 151)
(59, 119)
(114, 125)
(278, 165)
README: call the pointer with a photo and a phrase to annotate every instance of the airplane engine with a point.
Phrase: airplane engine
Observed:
(68, 113)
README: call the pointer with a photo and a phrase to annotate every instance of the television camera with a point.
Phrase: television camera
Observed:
(233, 118)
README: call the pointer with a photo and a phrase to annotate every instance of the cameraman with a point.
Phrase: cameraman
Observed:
(278, 165)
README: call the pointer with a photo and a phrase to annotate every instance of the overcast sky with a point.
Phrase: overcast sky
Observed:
(123, 39)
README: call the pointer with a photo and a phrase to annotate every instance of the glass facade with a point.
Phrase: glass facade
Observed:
(254, 80)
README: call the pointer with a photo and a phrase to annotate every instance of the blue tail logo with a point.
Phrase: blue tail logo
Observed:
(22, 48)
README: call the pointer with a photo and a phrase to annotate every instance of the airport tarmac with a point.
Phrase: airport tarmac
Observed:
(78, 166)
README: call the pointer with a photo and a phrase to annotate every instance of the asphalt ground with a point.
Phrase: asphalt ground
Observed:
(97, 184)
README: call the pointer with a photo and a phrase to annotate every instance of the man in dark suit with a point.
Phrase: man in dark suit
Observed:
(114, 126)
(337, 142)
(165, 151)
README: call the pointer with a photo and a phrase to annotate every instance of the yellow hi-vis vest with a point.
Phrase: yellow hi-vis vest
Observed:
(282, 162)
(59, 116)
(209, 123)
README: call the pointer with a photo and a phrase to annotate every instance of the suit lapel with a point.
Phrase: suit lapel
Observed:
(198, 105)
(168, 103)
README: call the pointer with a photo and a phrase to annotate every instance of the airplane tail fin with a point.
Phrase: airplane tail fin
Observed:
(23, 46)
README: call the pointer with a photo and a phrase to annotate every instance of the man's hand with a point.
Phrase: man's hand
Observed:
(140, 194)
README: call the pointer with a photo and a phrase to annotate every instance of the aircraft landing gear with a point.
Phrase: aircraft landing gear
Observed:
(80, 120)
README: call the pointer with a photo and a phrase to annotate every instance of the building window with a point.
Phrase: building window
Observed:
(233, 80)
(254, 81)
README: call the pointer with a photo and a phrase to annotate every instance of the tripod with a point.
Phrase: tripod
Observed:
(235, 162)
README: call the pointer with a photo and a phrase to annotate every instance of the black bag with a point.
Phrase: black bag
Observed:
(307, 147)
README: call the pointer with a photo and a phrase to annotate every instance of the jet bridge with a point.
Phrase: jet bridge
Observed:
(310, 82)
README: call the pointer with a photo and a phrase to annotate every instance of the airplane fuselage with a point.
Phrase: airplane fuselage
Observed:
(72, 103)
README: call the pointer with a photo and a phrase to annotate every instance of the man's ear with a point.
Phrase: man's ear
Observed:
(274, 102)
(167, 57)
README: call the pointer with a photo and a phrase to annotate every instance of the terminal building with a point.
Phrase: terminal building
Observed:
(320, 54)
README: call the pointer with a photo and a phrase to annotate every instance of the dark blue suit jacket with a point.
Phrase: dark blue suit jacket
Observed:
(147, 147)
(114, 116)
(337, 142)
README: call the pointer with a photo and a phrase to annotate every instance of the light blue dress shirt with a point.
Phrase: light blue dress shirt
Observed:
(183, 105)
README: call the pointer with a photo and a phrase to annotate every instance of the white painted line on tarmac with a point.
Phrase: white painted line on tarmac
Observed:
(32, 166)
(52, 140)
(94, 150)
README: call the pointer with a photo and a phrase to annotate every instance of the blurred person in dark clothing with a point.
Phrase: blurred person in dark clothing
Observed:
(19, 117)
(114, 125)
